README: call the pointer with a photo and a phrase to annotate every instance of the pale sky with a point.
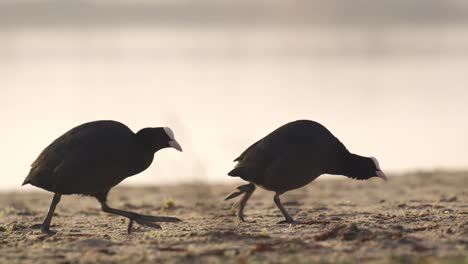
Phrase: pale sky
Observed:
(409, 112)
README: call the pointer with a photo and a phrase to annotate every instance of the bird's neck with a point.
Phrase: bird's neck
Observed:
(147, 147)
(352, 165)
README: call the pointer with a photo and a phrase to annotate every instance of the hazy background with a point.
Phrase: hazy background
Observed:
(387, 77)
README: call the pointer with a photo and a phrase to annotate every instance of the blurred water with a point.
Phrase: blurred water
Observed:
(398, 93)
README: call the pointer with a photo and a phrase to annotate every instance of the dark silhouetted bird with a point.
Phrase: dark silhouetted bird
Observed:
(291, 157)
(92, 158)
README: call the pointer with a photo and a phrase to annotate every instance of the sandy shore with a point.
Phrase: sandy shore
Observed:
(414, 218)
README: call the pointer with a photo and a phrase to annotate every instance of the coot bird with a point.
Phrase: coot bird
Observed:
(92, 158)
(291, 157)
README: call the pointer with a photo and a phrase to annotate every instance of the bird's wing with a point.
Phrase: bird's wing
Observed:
(44, 169)
(82, 154)
(292, 170)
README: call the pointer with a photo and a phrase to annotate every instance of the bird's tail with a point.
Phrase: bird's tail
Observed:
(246, 173)
(237, 172)
(40, 178)
(26, 181)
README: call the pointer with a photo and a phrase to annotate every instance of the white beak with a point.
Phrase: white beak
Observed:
(175, 144)
(382, 175)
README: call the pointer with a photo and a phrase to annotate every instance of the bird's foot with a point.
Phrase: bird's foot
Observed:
(240, 217)
(288, 221)
(236, 206)
(141, 222)
(150, 218)
(238, 211)
(240, 190)
(130, 226)
(47, 231)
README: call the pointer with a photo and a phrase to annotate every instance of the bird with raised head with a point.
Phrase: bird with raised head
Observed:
(292, 156)
(92, 158)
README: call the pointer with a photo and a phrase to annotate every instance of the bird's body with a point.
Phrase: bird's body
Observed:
(291, 156)
(92, 158)
(89, 159)
(294, 155)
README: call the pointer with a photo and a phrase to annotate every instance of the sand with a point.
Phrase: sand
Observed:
(414, 218)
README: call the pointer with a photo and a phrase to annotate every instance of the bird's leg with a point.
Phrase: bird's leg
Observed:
(247, 189)
(46, 224)
(146, 220)
(277, 200)
(130, 215)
